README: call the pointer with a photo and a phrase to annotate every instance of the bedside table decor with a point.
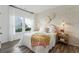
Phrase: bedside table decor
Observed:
(62, 37)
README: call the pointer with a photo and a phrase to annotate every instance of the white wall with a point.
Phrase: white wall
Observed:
(70, 14)
(4, 23)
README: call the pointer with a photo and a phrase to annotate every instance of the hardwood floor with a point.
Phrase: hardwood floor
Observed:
(62, 48)
(11, 47)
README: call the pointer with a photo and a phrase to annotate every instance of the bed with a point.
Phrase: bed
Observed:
(39, 42)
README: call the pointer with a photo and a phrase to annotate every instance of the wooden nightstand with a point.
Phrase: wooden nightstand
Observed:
(63, 38)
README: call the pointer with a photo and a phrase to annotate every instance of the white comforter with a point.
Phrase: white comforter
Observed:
(39, 49)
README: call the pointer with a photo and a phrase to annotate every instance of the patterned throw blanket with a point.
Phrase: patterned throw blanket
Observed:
(40, 40)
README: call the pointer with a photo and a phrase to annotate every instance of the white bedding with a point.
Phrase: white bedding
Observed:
(39, 49)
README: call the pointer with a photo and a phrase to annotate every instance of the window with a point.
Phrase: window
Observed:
(23, 23)
(18, 24)
(28, 24)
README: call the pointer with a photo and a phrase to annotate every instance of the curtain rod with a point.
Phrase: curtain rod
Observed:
(21, 9)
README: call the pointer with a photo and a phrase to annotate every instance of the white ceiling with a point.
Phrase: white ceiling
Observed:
(36, 8)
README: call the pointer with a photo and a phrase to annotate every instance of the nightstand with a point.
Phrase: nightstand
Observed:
(62, 38)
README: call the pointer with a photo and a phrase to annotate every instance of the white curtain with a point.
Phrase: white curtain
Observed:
(16, 12)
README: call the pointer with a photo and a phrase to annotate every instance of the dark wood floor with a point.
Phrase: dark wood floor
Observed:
(63, 48)
(12, 47)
